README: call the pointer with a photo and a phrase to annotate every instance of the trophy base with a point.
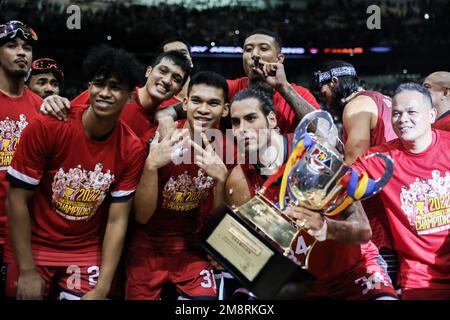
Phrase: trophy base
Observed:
(252, 259)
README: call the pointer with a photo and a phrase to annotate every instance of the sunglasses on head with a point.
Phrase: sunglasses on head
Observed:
(46, 64)
(10, 29)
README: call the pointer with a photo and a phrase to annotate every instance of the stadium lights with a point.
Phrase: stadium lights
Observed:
(235, 50)
(357, 50)
(380, 49)
(296, 50)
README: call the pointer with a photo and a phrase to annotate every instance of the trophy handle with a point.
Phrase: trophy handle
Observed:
(360, 187)
(302, 127)
(374, 186)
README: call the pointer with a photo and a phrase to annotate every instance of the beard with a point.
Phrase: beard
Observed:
(336, 107)
(17, 74)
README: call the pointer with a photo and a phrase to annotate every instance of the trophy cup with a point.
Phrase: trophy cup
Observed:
(317, 177)
(254, 241)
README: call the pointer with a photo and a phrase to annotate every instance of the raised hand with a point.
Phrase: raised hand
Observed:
(162, 152)
(207, 159)
(272, 73)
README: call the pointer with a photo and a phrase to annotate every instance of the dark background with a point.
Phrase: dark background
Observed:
(419, 46)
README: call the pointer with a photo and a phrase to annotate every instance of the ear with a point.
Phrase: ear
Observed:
(149, 69)
(280, 58)
(334, 82)
(447, 91)
(226, 110)
(185, 102)
(433, 114)
(272, 119)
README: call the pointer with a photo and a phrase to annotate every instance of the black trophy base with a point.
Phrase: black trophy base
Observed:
(253, 259)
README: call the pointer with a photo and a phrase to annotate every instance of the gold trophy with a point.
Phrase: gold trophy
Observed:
(254, 241)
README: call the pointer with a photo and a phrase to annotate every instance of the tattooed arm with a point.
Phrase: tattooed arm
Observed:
(353, 229)
(275, 75)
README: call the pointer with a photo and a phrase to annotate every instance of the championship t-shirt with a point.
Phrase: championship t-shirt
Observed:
(75, 179)
(15, 114)
(416, 202)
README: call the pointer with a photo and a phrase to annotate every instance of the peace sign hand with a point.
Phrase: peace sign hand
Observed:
(162, 152)
(208, 160)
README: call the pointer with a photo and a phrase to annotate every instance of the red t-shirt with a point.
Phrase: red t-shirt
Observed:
(382, 133)
(328, 259)
(170, 102)
(133, 114)
(185, 201)
(417, 206)
(286, 120)
(183, 190)
(443, 123)
(72, 175)
(15, 114)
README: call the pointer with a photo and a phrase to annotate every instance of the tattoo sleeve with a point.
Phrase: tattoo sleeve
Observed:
(299, 105)
(354, 229)
(174, 111)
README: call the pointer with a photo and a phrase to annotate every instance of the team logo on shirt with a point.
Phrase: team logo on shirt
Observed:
(185, 192)
(427, 203)
(10, 131)
(78, 193)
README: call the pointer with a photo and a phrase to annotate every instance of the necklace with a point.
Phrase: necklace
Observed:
(271, 157)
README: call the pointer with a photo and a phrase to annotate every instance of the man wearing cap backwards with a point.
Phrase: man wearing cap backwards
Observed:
(17, 105)
(366, 117)
(45, 77)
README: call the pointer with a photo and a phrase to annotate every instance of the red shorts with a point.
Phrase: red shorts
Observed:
(425, 294)
(149, 270)
(73, 281)
(367, 280)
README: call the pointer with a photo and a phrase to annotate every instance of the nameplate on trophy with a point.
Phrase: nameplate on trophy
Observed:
(240, 247)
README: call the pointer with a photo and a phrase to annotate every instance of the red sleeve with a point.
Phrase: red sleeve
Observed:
(36, 142)
(233, 88)
(307, 95)
(127, 183)
(167, 103)
(36, 100)
(81, 100)
(374, 166)
(360, 164)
